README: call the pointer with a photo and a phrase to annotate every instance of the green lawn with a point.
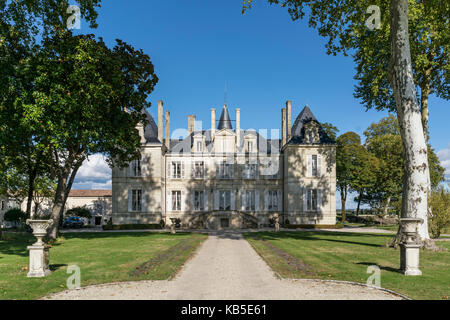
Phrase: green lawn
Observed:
(102, 258)
(346, 256)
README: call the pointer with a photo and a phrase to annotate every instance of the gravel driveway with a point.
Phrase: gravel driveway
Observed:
(226, 268)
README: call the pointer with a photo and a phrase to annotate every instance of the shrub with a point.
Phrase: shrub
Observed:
(15, 215)
(439, 217)
(79, 212)
(162, 223)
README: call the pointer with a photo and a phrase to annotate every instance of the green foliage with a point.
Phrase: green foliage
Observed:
(79, 212)
(330, 130)
(15, 215)
(439, 219)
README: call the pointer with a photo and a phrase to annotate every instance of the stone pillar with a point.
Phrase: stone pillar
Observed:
(238, 128)
(191, 124)
(289, 119)
(283, 126)
(160, 121)
(410, 247)
(39, 251)
(167, 130)
(213, 122)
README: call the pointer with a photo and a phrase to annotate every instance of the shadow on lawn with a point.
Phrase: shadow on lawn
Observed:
(316, 236)
(113, 235)
(390, 269)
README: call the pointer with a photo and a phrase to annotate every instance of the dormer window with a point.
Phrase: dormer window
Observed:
(312, 133)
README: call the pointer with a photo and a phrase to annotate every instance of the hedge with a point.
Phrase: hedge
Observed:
(314, 226)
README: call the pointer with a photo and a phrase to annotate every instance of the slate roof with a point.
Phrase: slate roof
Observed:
(298, 130)
(225, 121)
(151, 129)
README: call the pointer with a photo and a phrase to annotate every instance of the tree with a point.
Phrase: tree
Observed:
(330, 130)
(87, 99)
(346, 152)
(22, 26)
(440, 204)
(343, 23)
(15, 215)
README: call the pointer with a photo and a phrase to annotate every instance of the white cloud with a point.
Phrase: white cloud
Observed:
(444, 157)
(93, 174)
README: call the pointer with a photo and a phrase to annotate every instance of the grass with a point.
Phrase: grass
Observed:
(346, 256)
(102, 258)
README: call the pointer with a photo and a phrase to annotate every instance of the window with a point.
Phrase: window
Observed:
(136, 168)
(250, 171)
(136, 200)
(3, 205)
(225, 200)
(199, 146)
(199, 200)
(250, 146)
(176, 169)
(199, 169)
(273, 200)
(314, 167)
(176, 200)
(312, 200)
(225, 170)
(249, 200)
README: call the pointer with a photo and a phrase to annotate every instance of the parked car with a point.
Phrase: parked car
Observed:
(73, 222)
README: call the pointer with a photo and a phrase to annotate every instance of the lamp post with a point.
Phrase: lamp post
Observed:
(39, 251)
(410, 246)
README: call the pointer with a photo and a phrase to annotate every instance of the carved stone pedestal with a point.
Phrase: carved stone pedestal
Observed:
(410, 247)
(39, 251)
(39, 261)
(409, 259)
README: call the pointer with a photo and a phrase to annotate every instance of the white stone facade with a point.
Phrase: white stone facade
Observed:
(225, 178)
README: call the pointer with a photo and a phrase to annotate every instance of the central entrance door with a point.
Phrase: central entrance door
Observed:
(224, 223)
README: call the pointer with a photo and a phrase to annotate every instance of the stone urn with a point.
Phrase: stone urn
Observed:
(410, 246)
(39, 251)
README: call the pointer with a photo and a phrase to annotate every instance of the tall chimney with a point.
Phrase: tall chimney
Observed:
(167, 129)
(213, 122)
(283, 126)
(288, 119)
(191, 124)
(160, 120)
(238, 127)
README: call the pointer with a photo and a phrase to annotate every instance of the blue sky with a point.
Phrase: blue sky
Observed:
(264, 57)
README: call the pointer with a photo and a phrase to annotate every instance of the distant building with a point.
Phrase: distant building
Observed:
(229, 178)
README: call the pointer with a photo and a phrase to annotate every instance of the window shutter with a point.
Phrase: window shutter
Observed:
(206, 198)
(169, 170)
(169, 201)
(257, 200)
(216, 200)
(183, 200)
(305, 198)
(233, 199)
(266, 200)
(183, 171)
(309, 165)
(257, 171)
(244, 200)
(319, 165)
(319, 200)
(280, 200)
(206, 169)
(144, 201)
(130, 198)
(192, 200)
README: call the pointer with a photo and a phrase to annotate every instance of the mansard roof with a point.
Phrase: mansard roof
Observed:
(225, 121)
(298, 129)
(151, 129)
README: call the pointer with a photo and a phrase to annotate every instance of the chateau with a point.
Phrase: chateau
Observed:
(227, 177)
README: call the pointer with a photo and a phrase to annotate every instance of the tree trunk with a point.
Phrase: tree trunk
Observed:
(359, 202)
(415, 190)
(66, 176)
(31, 177)
(343, 201)
(386, 206)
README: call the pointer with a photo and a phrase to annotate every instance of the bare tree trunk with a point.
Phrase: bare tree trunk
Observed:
(415, 190)
(359, 202)
(32, 173)
(343, 201)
